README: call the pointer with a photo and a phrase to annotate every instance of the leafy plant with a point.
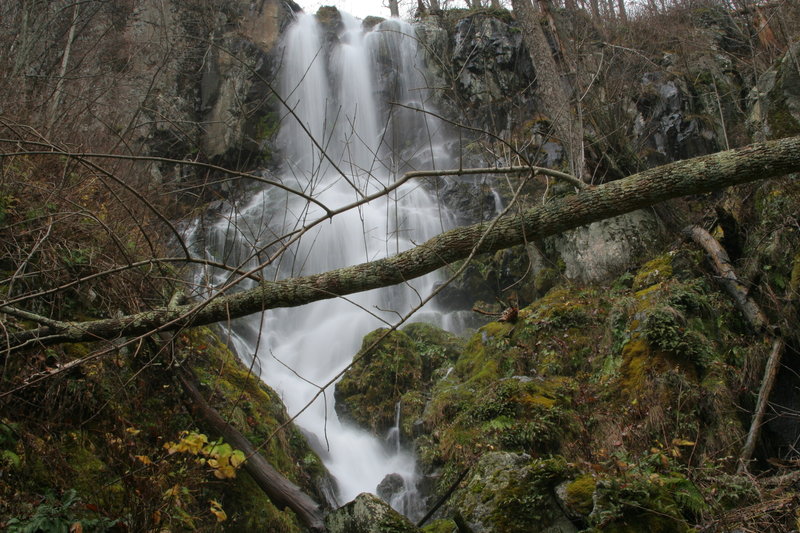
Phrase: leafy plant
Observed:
(56, 516)
(223, 460)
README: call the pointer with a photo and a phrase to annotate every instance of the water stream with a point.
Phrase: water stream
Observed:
(344, 96)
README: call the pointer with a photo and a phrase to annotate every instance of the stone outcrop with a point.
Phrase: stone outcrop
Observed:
(367, 514)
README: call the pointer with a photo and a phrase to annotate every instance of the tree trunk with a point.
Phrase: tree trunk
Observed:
(555, 100)
(623, 13)
(394, 8)
(281, 491)
(692, 176)
(59, 91)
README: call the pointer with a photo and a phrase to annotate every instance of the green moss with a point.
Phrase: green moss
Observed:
(440, 526)
(249, 509)
(579, 494)
(653, 272)
(369, 391)
(251, 406)
(480, 362)
(91, 474)
(507, 492)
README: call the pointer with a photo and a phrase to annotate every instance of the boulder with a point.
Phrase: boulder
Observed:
(368, 514)
(603, 250)
(509, 492)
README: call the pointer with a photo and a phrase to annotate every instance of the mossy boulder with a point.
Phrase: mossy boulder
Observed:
(511, 493)
(393, 367)
(368, 514)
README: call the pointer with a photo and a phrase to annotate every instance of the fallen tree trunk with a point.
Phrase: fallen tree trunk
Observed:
(727, 277)
(693, 176)
(281, 491)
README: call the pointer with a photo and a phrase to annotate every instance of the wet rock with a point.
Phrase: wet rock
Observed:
(493, 67)
(367, 514)
(667, 125)
(390, 486)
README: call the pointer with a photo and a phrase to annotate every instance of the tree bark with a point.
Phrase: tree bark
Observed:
(727, 276)
(623, 13)
(281, 491)
(692, 176)
(555, 100)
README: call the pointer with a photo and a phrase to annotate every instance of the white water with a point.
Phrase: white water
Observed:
(335, 96)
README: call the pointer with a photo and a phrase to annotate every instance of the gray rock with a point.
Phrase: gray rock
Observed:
(603, 250)
(368, 514)
(775, 101)
(390, 486)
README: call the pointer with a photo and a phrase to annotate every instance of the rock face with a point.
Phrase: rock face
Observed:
(776, 99)
(666, 122)
(491, 68)
(368, 514)
(603, 250)
(197, 79)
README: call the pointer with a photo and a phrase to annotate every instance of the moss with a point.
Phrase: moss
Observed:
(579, 494)
(440, 526)
(249, 509)
(251, 407)
(369, 391)
(507, 492)
(91, 474)
(637, 360)
(481, 359)
(653, 272)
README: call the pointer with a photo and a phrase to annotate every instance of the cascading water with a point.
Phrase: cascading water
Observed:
(333, 97)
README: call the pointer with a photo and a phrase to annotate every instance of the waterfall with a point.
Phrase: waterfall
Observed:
(341, 96)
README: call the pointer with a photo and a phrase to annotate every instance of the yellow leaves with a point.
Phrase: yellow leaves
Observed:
(133, 431)
(220, 457)
(190, 442)
(224, 460)
(143, 459)
(173, 492)
(682, 442)
(217, 510)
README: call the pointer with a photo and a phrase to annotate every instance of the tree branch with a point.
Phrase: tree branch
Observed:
(693, 176)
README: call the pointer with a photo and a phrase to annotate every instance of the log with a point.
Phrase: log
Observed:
(767, 383)
(281, 491)
(727, 277)
(691, 176)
